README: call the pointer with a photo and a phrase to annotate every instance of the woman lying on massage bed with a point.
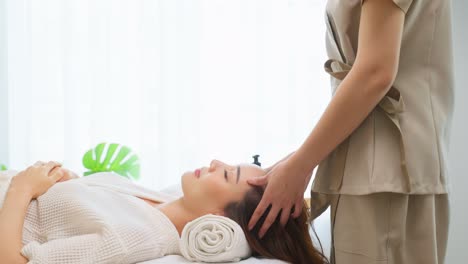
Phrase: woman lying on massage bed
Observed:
(105, 218)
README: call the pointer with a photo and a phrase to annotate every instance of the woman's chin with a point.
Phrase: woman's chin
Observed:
(187, 175)
(187, 180)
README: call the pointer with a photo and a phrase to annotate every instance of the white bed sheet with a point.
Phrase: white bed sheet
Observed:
(179, 259)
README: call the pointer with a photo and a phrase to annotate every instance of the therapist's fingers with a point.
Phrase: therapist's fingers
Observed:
(298, 207)
(261, 208)
(258, 181)
(269, 220)
(285, 214)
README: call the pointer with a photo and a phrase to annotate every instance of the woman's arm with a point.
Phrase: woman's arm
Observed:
(12, 217)
(24, 187)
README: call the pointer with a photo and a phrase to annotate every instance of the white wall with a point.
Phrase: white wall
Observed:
(3, 88)
(457, 248)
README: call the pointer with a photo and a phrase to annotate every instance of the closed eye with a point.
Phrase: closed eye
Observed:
(225, 175)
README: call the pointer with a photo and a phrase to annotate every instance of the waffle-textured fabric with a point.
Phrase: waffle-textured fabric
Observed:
(97, 219)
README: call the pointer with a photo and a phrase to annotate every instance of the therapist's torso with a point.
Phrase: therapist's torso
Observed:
(402, 146)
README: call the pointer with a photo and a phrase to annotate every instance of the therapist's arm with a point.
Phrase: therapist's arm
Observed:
(12, 217)
(268, 169)
(370, 78)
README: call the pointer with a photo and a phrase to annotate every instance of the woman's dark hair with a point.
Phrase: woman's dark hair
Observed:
(291, 243)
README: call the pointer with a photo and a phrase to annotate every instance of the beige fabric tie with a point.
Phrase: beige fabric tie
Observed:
(392, 105)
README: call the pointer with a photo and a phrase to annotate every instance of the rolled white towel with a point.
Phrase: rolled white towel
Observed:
(214, 238)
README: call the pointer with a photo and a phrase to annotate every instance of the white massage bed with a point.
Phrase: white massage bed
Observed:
(179, 259)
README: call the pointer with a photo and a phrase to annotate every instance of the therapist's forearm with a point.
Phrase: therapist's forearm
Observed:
(356, 97)
(12, 216)
(283, 159)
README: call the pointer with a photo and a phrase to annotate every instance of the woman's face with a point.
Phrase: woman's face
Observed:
(209, 189)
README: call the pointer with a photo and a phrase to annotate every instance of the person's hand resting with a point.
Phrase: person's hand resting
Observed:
(67, 174)
(285, 186)
(37, 179)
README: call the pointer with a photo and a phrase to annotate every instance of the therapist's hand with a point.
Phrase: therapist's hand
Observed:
(285, 186)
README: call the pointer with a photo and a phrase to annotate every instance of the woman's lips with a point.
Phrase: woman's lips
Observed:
(197, 173)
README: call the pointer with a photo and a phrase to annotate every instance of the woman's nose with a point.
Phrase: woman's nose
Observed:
(213, 165)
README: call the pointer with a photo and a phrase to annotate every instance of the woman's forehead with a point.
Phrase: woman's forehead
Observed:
(250, 170)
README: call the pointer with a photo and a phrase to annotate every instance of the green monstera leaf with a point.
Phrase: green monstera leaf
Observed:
(115, 158)
(3, 167)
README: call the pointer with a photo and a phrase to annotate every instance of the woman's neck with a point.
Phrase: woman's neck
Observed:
(178, 213)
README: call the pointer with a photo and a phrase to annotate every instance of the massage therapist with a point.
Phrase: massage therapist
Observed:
(381, 146)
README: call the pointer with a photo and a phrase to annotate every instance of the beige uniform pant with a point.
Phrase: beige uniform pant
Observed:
(389, 228)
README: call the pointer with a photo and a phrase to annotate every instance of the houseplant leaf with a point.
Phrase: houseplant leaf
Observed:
(3, 167)
(112, 157)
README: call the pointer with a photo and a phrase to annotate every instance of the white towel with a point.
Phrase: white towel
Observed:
(214, 238)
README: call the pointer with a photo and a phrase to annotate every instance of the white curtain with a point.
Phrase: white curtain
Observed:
(179, 81)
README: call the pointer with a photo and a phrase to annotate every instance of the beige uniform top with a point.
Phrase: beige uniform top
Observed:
(402, 146)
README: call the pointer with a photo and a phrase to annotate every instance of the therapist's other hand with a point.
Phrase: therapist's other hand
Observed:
(285, 186)
(37, 179)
